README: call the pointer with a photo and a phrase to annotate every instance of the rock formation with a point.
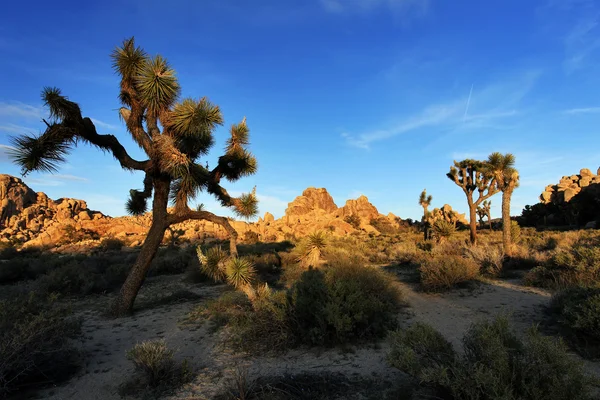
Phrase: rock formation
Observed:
(569, 187)
(35, 220)
(448, 214)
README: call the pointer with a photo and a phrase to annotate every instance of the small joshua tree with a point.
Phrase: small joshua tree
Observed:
(483, 211)
(425, 202)
(507, 179)
(473, 176)
(174, 133)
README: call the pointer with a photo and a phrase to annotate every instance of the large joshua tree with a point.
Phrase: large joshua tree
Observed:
(502, 167)
(173, 134)
(425, 202)
(473, 176)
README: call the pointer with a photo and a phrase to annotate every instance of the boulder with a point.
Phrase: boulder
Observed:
(360, 207)
(311, 199)
(269, 217)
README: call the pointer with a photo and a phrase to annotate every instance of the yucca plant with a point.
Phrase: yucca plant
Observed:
(213, 262)
(443, 229)
(173, 133)
(314, 245)
(240, 272)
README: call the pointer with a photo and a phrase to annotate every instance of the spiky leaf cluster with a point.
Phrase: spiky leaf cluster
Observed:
(240, 272)
(502, 167)
(247, 205)
(213, 263)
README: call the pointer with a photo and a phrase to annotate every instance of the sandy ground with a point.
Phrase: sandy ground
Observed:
(106, 341)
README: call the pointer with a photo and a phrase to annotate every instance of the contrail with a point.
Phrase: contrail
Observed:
(468, 103)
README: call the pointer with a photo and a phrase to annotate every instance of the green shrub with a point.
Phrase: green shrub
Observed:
(35, 347)
(577, 310)
(363, 302)
(308, 298)
(111, 244)
(496, 364)
(353, 220)
(446, 271)
(575, 266)
(171, 261)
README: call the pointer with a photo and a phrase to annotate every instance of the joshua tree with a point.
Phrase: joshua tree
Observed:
(425, 202)
(473, 176)
(507, 179)
(483, 211)
(173, 133)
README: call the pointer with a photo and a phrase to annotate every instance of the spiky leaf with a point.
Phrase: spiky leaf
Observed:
(240, 272)
(157, 85)
(60, 107)
(128, 59)
(41, 153)
(137, 204)
(196, 119)
(212, 263)
(246, 205)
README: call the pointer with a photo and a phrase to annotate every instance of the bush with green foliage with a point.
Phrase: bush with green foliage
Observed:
(443, 272)
(578, 265)
(496, 364)
(111, 244)
(577, 310)
(35, 342)
(353, 220)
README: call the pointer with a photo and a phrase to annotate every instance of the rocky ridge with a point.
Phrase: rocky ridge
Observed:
(33, 219)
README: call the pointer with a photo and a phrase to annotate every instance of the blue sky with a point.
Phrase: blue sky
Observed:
(373, 97)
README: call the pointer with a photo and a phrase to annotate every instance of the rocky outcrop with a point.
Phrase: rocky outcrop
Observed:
(35, 220)
(569, 186)
(312, 199)
(360, 207)
(448, 214)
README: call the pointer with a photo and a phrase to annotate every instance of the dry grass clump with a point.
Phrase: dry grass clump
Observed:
(156, 371)
(496, 364)
(444, 272)
(489, 258)
(35, 342)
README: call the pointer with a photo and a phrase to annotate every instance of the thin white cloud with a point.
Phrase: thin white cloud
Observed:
(488, 108)
(401, 7)
(13, 128)
(55, 180)
(586, 110)
(104, 125)
(582, 42)
(17, 109)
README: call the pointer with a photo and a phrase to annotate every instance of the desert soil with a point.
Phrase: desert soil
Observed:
(106, 341)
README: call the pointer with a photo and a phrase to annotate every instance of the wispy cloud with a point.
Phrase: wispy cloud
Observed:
(104, 125)
(488, 107)
(55, 180)
(586, 110)
(13, 128)
(401, 7)
(20, 110)
(582, 42)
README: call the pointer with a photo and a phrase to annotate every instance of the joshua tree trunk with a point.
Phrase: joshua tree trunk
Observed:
(472, 220)
(506, 222)
(123, 304)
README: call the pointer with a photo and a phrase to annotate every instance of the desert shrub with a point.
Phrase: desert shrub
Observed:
(524, 257)
(489, 258)
(111, 244)
(383, 225)
(515, 232)
(250, 237)
(171, 261)
(496, 364)
(442, 230)
(353, 220)
(577, 310)
(309, 297)
(7, 251)
(156, 371)
(440, 273)
(323, 307)
(35, 342)
(578, 265)
(363, 302)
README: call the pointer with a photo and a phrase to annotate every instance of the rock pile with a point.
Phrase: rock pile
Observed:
(27, 216)
(35, 220)
(569, 187)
